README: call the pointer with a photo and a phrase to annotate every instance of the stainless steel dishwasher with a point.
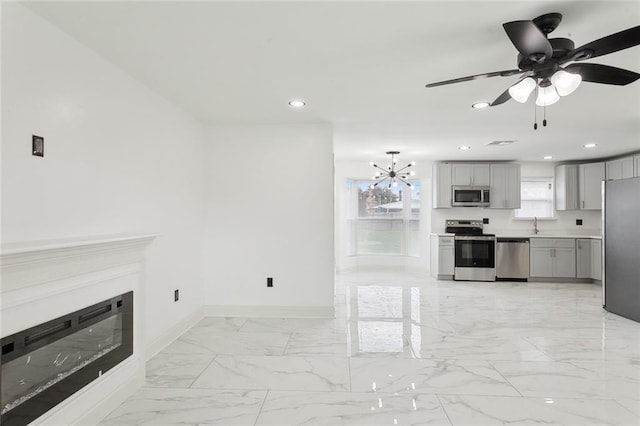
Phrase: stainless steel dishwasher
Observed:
(512, 259)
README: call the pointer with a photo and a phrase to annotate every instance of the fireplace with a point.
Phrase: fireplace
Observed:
(45, 364)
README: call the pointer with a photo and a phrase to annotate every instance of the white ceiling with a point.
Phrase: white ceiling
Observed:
(362, 67)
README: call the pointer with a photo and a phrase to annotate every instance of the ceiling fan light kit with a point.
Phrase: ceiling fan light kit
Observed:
(390, 175)
(549, 65)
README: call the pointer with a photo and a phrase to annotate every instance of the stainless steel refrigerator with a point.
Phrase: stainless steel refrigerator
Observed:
(621, 247)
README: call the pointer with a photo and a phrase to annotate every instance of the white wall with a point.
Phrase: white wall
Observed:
(118, 158)
(361, 170)
(269, 203)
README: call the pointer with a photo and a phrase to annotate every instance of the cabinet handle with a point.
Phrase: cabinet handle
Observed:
(583, 204)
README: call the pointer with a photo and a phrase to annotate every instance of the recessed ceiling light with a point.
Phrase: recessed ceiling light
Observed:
(547, 157)
(464, 148)
(590, 145)
(500, 143)
(297, 103)
(480, 105)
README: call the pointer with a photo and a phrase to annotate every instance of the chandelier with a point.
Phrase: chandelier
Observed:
(391, 174)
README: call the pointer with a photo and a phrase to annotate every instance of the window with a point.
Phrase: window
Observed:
(536, 198)
(384, 220)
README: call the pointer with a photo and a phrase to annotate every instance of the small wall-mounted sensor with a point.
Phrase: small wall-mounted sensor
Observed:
(37, 146)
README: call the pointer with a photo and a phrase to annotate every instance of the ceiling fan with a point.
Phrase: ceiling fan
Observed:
(542, 61)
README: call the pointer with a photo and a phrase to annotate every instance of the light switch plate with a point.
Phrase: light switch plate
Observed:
(37, 146)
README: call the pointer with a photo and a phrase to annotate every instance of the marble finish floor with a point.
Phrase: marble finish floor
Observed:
(405, 349)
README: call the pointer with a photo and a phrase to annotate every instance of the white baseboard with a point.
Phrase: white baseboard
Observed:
(173, 333)
(270, 311)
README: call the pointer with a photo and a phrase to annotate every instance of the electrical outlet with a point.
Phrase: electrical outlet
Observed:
(579, 222)
(485, 220)
(176, 295)
(269, 282)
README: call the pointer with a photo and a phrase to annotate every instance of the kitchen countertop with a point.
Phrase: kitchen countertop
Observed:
(516, 235)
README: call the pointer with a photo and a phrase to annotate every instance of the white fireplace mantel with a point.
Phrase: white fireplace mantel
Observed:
(44, 280)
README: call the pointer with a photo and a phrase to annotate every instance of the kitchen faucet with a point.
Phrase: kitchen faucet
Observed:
(535, 225)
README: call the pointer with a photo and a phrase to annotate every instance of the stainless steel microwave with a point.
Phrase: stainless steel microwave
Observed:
(470, 196)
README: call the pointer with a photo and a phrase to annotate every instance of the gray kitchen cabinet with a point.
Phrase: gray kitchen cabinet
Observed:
(471, 174)
(442, 256)
(566, 187)
(505, 186)
(620, 168)
(583, 258)
(596, 259)
(553, 258)
(441, 184)
(590, 177)
(636, 167)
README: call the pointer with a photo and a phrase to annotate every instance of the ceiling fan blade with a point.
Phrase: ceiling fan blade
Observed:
(504, 97)
(605, 74)
(609, 44)
(528, 39)
(475, 77)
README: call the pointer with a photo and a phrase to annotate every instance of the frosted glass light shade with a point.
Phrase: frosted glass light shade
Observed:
(565, 82)
(520, 91)
(547, 96)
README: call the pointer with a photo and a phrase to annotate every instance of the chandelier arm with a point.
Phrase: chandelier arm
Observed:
(380, 181)
(405, 182)
(378, 167)
(405, 167)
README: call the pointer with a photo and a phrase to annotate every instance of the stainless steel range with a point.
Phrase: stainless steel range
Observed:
(475, 251)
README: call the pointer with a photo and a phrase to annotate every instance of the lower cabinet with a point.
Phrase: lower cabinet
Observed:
(596, 259)
(583, 258)
(553, 257)
(442, 256)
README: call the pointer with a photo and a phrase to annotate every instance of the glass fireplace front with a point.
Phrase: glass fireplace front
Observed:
(47, 363)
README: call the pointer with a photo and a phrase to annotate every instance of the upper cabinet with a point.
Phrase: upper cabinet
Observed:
(441, 186)
(505, 186)
(471, 174)
(620, 168)
(590, 177)
(566, 187)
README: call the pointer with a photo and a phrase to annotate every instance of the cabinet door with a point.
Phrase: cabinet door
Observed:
(564, 262)
(541, 265)
(481, 175)
(446, 260)
(513, 187)
(636, 167)
(583, 258)
(566, 187)
(441, 186)
(462, 174)
(621, 168)
(596, 259)
(591, 176)
(498, 186)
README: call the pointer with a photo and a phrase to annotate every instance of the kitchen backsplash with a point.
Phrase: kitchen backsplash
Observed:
(501, 221)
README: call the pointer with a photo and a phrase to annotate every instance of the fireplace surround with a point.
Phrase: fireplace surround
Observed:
(74, 306)
(45, 364)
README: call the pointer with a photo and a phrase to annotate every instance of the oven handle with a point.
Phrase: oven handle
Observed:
(474, 238)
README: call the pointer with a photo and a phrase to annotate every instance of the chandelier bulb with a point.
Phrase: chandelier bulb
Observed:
(372, 164)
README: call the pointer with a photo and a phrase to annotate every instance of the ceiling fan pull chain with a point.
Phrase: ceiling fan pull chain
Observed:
(544, 120)
(535, 112)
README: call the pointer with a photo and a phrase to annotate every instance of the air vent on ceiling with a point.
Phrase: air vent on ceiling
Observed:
(500, 143)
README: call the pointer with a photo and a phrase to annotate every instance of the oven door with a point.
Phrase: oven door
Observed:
(475, 258)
